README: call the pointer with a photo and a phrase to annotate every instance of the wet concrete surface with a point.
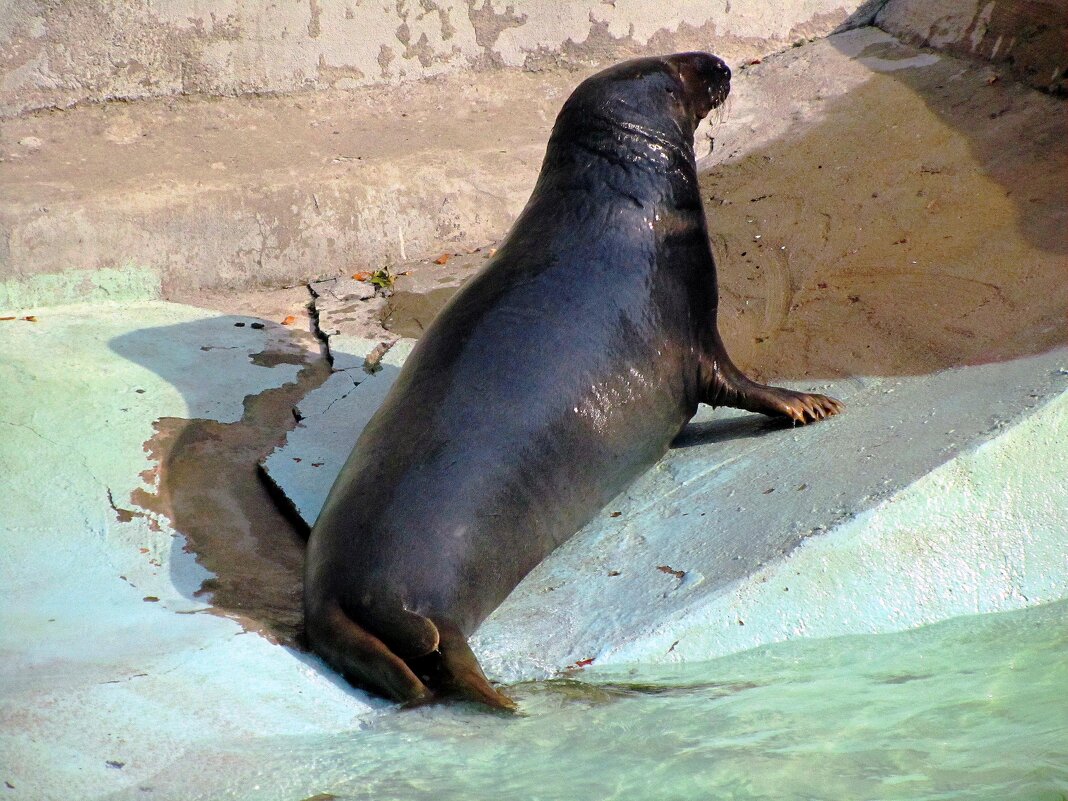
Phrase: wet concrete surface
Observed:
(208, 485)
(210, 489)
(409, 313)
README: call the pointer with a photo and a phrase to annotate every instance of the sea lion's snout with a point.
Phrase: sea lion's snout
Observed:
(707, 80)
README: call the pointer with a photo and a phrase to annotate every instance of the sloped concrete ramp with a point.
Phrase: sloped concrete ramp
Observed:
(899, 512)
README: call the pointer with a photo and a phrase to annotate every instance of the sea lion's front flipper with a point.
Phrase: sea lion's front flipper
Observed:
(463, 676)
(726, 385)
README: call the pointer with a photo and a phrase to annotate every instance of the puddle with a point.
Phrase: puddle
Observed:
(409, 313)
(211, 491)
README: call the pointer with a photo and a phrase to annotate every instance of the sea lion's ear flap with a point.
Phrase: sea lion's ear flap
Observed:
(691, 87)
(705, 81)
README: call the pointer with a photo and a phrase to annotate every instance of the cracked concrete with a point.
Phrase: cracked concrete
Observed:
(82, 557)
(304, 468)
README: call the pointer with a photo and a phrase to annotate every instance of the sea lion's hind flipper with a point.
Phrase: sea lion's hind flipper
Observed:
(463, 677)
(362, 657)
(726, 385)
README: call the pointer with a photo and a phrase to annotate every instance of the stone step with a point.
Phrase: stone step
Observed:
(193, 194)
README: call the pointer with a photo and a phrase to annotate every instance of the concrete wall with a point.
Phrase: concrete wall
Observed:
(1029, 36)
(55, 54)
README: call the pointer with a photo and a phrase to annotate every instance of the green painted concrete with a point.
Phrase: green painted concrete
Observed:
(983, 533)
(112, 284)
(963, 491)
(89, 671)
(959, 710)
(932, 496)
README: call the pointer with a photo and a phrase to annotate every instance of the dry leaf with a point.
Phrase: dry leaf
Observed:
(444, 257)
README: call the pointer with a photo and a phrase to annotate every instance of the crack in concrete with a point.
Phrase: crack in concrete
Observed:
(125, 679)
(64, 447)
(340, 398)
(317, 330)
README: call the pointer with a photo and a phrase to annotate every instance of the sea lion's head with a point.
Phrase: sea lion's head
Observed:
(705, 81)
(642, 111)
(659, 92)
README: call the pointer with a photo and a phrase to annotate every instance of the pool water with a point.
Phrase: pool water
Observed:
(971, 708)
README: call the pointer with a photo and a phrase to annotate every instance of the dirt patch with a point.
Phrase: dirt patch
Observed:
(921, 225)
(409, 313)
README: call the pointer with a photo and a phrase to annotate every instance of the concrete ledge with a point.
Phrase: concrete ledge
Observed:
(207, 195)
(271, 192)
(1029, 37)
(129, 283)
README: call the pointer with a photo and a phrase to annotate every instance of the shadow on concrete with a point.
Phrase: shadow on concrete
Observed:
(1014, 133)
(717, 432)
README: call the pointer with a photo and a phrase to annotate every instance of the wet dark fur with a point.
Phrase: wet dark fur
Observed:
(550, 382)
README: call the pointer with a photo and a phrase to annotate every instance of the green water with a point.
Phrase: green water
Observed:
(972, 708)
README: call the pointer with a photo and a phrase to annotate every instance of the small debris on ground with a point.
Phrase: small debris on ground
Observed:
(679, 574)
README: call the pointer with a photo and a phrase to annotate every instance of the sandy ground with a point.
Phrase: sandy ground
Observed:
(922, 224)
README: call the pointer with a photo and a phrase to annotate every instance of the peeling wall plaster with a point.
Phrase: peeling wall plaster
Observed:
(58, 54)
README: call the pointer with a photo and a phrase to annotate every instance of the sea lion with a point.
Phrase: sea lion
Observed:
(552, 380)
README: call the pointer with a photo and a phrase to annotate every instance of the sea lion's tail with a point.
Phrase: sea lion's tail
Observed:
(369, 660)
(373, 655)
